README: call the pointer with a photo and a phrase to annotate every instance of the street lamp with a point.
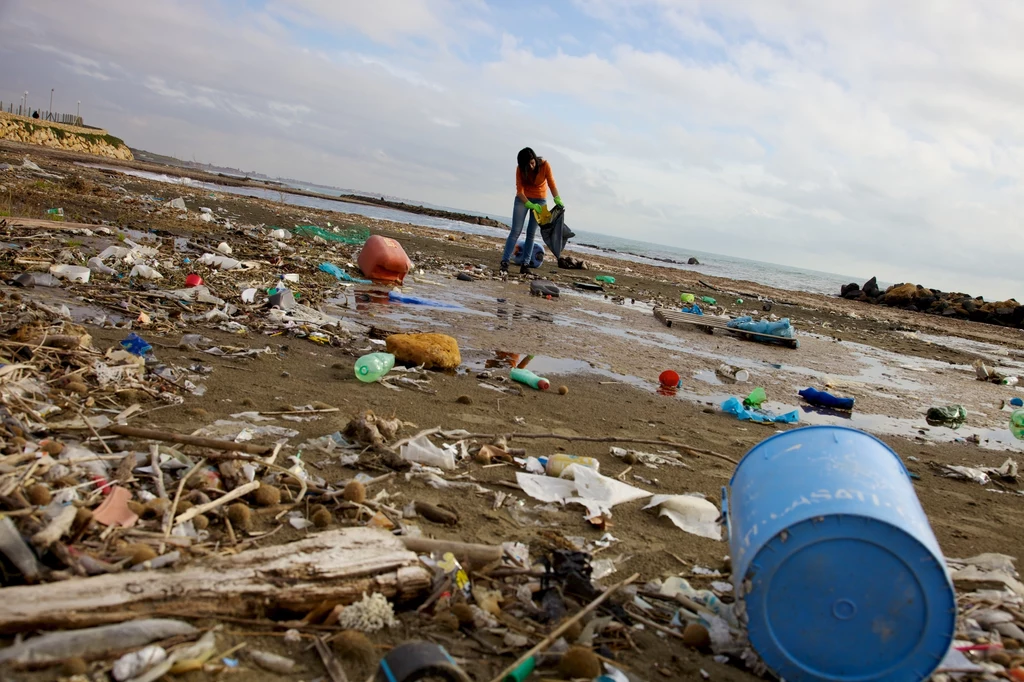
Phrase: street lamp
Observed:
(26, 102)
(51, 102)
(78, 112)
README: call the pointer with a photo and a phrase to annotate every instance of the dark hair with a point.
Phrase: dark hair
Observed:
(523, 159)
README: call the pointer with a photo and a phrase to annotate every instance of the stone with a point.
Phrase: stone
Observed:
(900, 294)
(432, 351)
(851, 290)
(692, 261)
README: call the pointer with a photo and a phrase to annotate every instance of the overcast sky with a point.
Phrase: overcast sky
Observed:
(863, 138)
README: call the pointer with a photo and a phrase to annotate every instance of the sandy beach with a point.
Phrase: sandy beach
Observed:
(606, 348)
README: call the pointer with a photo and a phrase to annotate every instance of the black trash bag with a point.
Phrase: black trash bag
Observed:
(556, 234)
(569, 573)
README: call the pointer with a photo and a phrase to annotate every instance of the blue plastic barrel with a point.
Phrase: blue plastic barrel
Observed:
(840, 575)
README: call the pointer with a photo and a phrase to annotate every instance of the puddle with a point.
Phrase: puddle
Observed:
(605, 316)
(708, 377)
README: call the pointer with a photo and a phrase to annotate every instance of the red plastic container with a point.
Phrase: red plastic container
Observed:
(193, 280)
(384, 260)
(669, 378)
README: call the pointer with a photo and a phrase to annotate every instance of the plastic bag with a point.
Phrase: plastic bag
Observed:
(422, 451)
(145, 272)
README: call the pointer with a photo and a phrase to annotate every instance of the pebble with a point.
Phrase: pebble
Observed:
(563, 390)
(285, 375)
(464, 400)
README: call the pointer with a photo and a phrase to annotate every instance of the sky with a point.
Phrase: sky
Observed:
(862, 138)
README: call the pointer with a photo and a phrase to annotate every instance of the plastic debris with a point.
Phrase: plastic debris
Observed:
(422, 451)
(690, 513)
(816, 397)
(952, 416)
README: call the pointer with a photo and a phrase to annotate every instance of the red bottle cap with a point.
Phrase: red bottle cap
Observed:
(543, 384)
(669, 378)
(193, 280)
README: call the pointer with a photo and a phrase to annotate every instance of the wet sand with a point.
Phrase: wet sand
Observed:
(608, 352)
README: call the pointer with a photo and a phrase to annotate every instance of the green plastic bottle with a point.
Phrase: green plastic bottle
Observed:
(607, 279)
(525, 376)
(756, 397)
(1017, 424)
(686, 298)
(708, 300)
(373, 366)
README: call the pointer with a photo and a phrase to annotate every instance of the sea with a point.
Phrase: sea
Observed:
(712, 264)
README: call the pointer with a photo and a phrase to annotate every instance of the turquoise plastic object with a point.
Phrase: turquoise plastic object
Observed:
(1017, 424)
(339, 274)
(781, 328)
(708, 300)
(373, 366)
(525, 376)
(607, 279)
(692, 309)
(735, 406)
(841, 575)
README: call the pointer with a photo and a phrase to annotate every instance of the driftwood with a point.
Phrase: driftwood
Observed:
(333, 567)
(185, 439)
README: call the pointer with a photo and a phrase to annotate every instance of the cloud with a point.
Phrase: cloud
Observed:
(863, 138)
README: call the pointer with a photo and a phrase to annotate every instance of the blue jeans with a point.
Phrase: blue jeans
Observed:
(519, 212)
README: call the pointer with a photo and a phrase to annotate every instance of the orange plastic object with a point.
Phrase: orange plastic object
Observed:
(1017, 674)
(384, 259)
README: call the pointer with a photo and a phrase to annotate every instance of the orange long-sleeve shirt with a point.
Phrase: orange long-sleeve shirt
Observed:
(538, 189)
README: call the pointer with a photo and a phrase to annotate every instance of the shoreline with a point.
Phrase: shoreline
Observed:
(607, 349)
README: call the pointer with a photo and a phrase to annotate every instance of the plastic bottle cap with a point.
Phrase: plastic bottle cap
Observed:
(193, 280)
(543, 384)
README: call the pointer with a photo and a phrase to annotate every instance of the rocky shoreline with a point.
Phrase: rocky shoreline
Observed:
(423, 210)
(917, 298)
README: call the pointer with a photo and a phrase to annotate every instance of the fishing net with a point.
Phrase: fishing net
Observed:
(355, 235)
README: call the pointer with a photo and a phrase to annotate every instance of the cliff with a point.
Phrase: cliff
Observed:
(63, 136)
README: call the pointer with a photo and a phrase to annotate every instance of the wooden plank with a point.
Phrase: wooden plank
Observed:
(335, 566)
(668, 316)
(37, 224)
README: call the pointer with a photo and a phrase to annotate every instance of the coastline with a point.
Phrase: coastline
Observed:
(607, 349)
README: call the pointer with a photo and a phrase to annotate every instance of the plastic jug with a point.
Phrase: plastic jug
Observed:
(373, 366)
(384, 259)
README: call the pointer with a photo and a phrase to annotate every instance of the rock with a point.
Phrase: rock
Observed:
(900, 295)
(432, 351)
(851, 288)
(692, 261)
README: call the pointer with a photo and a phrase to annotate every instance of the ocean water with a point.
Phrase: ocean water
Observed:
(711, 264)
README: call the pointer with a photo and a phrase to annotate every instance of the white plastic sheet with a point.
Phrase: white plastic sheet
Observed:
(689, 513)
(596, 492)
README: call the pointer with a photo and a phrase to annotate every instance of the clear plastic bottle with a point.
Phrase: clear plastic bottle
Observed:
(373, 366)
(556, 464)
(1017, 424)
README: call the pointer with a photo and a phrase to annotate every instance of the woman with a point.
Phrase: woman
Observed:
(533, 175)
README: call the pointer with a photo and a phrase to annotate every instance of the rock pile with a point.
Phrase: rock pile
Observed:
(914, 297)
